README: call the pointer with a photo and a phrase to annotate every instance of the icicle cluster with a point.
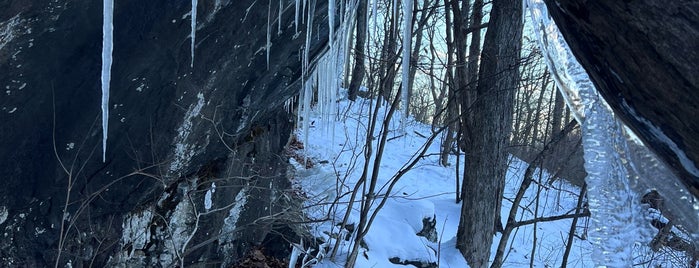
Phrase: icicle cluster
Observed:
(193, 16)
(322, 82)
(107, 47)
(615, 172)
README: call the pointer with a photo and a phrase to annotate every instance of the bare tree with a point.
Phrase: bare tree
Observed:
(487, 136)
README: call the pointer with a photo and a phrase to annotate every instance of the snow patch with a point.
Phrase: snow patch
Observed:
(208, 202)
(8, 30)
(3, 214)
(183, 150)
(230, 222)
(179, 230)
(136, 230)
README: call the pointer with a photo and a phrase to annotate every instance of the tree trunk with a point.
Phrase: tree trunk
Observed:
(358, 69)
(486, 158)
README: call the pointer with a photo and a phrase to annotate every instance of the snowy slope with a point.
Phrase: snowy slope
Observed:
(426, 191)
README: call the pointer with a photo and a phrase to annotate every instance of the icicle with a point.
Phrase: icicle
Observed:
(309, 31)
(407, 38)
(279, 18)
(194, 29)
(296, 16)
(331, 21)
(303, 18)
(107, 47)
(269, 31)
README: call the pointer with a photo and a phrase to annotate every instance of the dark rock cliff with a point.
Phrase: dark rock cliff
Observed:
(643, 57)
(174, 131)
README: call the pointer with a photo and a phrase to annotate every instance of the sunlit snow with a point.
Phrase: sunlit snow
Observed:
(424, 192)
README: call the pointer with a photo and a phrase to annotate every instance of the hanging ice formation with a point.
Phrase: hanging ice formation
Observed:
(194, 30)
(107, 47)
(407, 38)
(269, 31)
(279, 17)
(331, 20)
(296, 16)
(322, 81)
(619, 168)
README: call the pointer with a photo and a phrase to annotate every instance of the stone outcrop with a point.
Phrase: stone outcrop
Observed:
(175, 131)
(642, 57)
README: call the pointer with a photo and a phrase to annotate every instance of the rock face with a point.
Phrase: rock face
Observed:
(175, 131)
(642, 56)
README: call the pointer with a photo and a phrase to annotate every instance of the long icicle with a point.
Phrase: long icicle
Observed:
(279, 17)
(194, 29)
(296, 16)
(407, 38)
(269, 30)
(107, 48)
(331, 21)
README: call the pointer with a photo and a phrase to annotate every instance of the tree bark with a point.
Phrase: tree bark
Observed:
(486, 158)
(358, 69)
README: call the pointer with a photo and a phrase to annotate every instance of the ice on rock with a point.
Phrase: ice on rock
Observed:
(619, 168)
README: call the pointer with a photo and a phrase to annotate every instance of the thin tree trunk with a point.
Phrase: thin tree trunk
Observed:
(359, 53)
(573, 225)
(558, 106)
(452, 105)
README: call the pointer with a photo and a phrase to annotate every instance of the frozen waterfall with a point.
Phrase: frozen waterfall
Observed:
(619, 168)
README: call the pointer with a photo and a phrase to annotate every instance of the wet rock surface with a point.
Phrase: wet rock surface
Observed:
(174, 131)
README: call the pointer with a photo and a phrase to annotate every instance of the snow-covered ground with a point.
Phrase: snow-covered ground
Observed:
(427, 190)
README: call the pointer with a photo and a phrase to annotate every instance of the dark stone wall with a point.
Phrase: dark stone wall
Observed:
(173, 130)
(642, 56)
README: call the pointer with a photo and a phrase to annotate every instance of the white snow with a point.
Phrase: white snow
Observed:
(208, 201)
(136, 230)
(107, 47)
(3, 214)
(425, 191)
(7, 30)
(193, 30)
(184, 150)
